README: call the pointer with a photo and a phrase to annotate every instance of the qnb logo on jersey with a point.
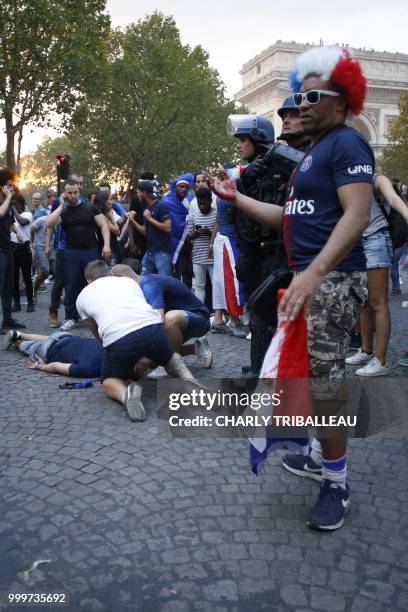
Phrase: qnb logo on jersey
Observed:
(360, 169)
(298, 207)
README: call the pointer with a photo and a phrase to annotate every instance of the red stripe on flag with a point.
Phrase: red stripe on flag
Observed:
(233, 307)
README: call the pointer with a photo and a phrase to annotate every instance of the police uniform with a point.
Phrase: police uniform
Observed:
(261, 247)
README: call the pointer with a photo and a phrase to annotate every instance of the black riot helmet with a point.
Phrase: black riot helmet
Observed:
(288, 104)
(259, 129)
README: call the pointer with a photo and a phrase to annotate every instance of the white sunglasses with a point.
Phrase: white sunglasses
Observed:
(312, 96)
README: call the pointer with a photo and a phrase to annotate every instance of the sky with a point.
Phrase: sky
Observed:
(234, 31)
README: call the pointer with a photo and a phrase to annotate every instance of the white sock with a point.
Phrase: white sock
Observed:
(335, 470)
(316, 451)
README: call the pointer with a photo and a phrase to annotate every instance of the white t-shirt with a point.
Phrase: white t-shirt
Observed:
(23, 231)
(117, 305)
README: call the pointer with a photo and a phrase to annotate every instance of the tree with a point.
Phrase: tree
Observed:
(51, 54)
(394, 160)
(39, 167)
(160, 107)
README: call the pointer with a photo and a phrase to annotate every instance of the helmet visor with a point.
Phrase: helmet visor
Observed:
(241, 124)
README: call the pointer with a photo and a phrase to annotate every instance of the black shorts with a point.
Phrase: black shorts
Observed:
(120, 357)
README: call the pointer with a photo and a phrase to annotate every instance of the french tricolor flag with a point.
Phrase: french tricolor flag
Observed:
(285, 370)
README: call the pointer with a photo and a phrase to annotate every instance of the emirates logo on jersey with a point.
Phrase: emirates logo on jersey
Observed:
(306, 163)
(294, 206)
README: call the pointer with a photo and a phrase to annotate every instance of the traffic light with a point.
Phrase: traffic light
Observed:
(63, 167)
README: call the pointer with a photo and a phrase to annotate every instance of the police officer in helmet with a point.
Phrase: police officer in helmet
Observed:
(261, 247)
(292, 131)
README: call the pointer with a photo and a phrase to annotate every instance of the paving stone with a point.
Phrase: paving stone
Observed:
(293, 595)
(223, 590)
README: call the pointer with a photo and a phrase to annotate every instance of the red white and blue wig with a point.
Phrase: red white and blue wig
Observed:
(338, 66)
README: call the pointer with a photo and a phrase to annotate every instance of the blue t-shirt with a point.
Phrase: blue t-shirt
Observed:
(313, 209)
(169, 293)
(157, 239)
(39, 212)
(118, 208)
(85, 355)
(225, 225)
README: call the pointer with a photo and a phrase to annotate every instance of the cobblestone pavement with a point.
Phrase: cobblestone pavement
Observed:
(130, 520)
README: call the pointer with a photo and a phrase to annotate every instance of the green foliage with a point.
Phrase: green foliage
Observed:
(40, 166)
(160, 105)
(51, 54)
(394, 160)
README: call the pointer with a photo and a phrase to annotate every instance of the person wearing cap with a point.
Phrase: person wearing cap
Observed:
(292, 131)
(157, 229)
(261, 248)
(326, 212)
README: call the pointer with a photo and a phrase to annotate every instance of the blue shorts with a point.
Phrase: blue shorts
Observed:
(378, 249)
(120, 357)
(196, 326)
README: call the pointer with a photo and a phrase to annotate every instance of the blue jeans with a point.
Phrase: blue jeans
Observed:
(395, 275)
(6, 282)
(75, 262)
(157, 262)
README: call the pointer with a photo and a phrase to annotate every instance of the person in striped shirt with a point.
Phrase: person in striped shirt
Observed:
(199, 226)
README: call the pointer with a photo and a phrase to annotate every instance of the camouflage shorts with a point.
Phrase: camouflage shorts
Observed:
(333, 314)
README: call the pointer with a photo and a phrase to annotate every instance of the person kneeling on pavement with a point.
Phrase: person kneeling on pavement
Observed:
(60, 353)
(183, 314)
(116, 312)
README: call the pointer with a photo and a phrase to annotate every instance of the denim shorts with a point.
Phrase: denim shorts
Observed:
(378, 250)
(41, 347)
(40, 258)
(196, 326)
(120, 357)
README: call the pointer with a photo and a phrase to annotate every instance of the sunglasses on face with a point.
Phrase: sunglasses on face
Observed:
(312, 97)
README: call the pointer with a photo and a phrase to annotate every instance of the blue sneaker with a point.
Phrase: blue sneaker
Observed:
(302, 465)
(329, 510)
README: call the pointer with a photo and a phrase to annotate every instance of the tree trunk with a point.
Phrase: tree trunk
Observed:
(20, 138)
(10, 152)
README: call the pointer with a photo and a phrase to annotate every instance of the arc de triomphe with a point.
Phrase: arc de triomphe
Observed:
(265, 86)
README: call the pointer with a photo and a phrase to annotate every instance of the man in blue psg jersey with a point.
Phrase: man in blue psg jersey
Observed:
(327, 209)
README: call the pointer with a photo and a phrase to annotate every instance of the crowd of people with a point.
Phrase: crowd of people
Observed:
(146, 280)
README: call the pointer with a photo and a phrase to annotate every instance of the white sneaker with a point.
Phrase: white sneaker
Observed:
(248, 337)
(69, 324)
(374, 368)
(359, 358)
(158, 372)
(203, 352)
(133, 403)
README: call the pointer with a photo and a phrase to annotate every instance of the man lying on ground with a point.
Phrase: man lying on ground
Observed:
(116, 312)
(60, 353)
(183, 314)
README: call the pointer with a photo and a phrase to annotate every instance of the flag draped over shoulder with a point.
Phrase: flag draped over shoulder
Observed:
(178, 214)
(285, 370)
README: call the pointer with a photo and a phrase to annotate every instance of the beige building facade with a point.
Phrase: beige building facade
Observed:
(265, 86)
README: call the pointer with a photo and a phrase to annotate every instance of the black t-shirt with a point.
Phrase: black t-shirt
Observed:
(78, 223)
(5, 224)
(157, 239)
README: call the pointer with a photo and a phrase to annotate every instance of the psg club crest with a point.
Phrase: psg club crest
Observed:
(306, 163)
